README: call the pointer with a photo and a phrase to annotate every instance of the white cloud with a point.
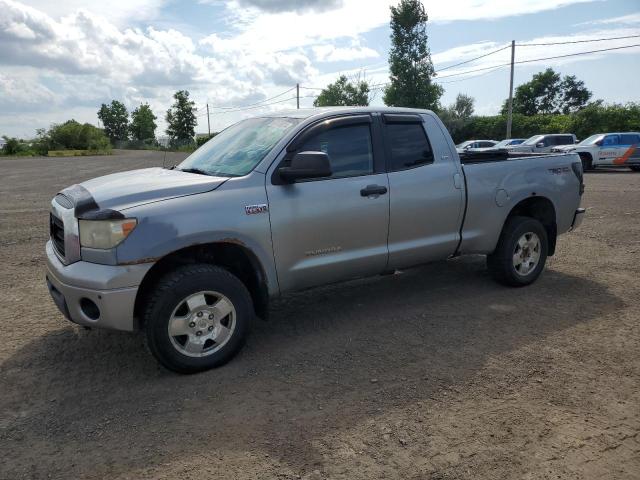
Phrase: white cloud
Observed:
(119, 12)
(631, 19)
(331, 53)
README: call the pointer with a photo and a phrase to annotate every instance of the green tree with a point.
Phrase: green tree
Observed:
(76, 136)
(12, 145)
(344, 93)
(548, 93)
(181, 119)
(143, 125)
(410, 60)
(115, 119)
(457, 115)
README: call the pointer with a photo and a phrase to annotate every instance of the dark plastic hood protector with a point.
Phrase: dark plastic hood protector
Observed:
(123, 190)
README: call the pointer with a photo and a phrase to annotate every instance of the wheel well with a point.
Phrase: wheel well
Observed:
(542, 210)
(585, 154)
(235, 258)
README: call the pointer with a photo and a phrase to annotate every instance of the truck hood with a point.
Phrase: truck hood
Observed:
(119, 191)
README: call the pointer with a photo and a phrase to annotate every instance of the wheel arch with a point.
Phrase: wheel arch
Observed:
(233, 256)
(543, 210)
(589, 157)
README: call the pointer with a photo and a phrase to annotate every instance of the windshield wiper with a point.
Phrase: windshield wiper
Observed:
(194, 170)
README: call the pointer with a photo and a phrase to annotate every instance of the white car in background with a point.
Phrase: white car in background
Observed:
(469, 144)
(607, 149)
(502, 144)
(544, 143)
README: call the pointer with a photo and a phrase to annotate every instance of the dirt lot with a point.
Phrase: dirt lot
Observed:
(434, 373)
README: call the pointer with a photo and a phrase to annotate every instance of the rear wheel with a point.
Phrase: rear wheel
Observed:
(197, 318)
(521, 253)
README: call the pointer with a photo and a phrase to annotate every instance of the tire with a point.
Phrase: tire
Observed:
(587, 162)
(207, 308)
(502, 262)
(635, 168)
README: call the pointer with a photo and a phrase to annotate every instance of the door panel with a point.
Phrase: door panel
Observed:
(327, 230)
(425, 205)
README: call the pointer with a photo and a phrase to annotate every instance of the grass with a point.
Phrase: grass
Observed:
(76, 153)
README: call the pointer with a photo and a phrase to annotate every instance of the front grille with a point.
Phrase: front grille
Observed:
(56, 230)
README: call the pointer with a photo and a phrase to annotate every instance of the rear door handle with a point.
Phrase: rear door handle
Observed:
(373, 190)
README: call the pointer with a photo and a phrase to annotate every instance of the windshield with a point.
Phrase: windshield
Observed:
(238, 149)
(533, 140)
(591, 140)
(464, 144)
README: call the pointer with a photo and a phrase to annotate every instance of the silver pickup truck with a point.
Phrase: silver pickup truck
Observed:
(193, 253)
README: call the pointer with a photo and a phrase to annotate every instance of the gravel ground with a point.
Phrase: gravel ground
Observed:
(433, 373)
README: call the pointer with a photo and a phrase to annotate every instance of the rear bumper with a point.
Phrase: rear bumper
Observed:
(577, 218)
(112, 289)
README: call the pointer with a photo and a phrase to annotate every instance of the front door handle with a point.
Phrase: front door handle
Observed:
(373, 190)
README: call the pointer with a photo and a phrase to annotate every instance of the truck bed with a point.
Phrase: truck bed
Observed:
(497, 155)
(493, 189)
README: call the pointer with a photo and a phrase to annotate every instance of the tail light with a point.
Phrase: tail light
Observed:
(577, 170)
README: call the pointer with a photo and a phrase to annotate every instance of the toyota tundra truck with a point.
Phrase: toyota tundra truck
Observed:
(192, 254)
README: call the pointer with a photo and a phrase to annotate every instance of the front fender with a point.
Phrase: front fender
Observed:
(212, 217)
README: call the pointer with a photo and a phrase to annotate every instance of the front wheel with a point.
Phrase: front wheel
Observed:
(587, 162)
(197, 318)
(519, 258)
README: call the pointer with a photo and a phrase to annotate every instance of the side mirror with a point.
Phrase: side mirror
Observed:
(599, 143)
(540, 145)
(306, 165)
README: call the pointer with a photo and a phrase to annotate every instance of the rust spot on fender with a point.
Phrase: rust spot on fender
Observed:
(140, 261)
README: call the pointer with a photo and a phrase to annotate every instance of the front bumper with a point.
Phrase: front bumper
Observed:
(112, 289)
(577, 218)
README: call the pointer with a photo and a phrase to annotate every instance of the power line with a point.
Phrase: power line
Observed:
(574, 41)
(469, 78)
(253, 106)
(473, 59)
(256, 103)
(540, 59)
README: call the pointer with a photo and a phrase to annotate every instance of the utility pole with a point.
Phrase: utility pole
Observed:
(298, 95)
(208, 121)
(510, 113)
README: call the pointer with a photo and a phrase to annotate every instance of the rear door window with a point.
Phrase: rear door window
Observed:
(408, 146)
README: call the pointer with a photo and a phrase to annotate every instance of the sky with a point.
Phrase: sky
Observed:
(62, 60)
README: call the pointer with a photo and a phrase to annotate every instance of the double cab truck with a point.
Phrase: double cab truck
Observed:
(192, 254)
(607, 150)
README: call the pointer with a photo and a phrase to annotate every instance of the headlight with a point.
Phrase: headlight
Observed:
(105, 234)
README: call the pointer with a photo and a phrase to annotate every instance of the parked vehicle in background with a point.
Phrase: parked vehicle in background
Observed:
(544, 143)
(289, 201)
(503, 144)
(607, 150)
(509, 142)
(461, 147)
